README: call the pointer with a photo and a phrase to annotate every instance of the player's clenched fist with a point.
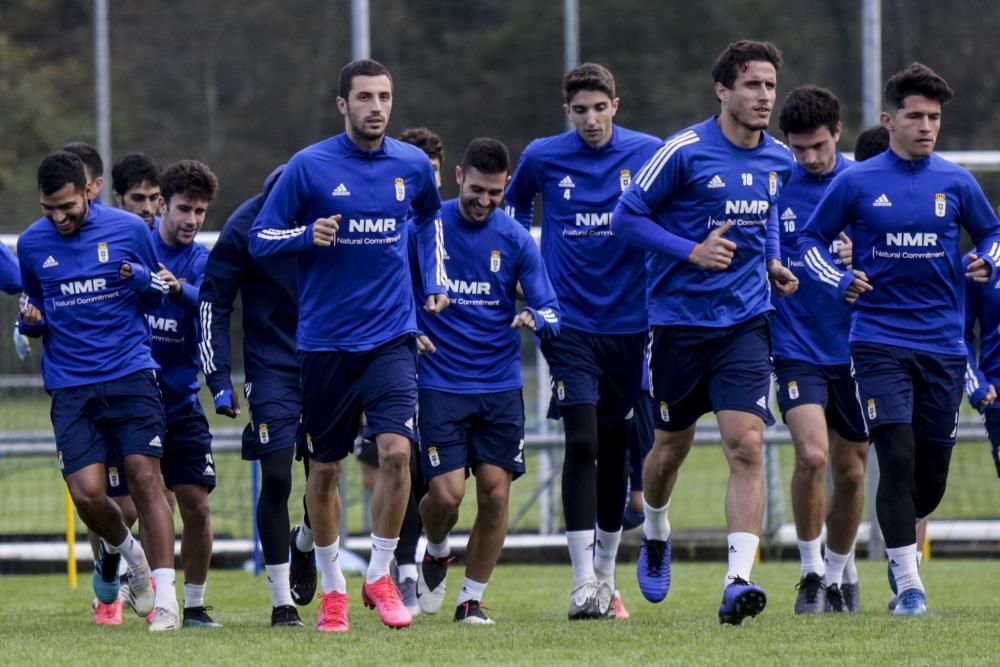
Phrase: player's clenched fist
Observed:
(325, 230)
(715, 252)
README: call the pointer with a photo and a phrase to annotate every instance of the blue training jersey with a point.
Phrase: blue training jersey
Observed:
(599, 278)
(905, 218)
(812, 324)
(356, 294)
(477, 350)
(174, 324)
(10, 271)
(696, 182)
(94, 328)
(982, 306)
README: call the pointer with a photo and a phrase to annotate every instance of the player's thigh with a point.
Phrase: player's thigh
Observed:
(331, 402)
(884, 383)
(740, 369)
(498, 437)
(388, 388)
(79, 442)
(620, 381)
(275, 418)
(844, 413)
(132, 414)
(678, 376)
(574, 368)
(187, 458)
(937, 398)
(446, 422)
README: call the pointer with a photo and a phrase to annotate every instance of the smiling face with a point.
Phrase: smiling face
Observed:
(479, 193)
(751, 99)
(66, 208)
(366, 110)
(592, 112)
(181, 219)
(914, 127)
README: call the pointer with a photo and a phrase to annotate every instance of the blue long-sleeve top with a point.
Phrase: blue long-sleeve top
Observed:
(356, 294)
(268, 289)
(599, 278)
(982, 306)
(906, 218)
(696, 182)
(10, 271)
(812, 324)
(94, 328)
(477, 350)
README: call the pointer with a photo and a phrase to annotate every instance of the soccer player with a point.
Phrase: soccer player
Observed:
(982, 306)
(269, 293)
(906, 208)
(135, 180)
(357, 320)
(596, 361)
(88, 273)
(704, 207)
(188, 188)
(870, 142)
(471, 407)
(93, 165)
(812, 364)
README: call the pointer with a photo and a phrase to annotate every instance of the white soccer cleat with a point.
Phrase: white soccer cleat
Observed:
(164, 619)
(140, 589)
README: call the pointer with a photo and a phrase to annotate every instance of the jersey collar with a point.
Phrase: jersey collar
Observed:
(584, 146)
(352, 148)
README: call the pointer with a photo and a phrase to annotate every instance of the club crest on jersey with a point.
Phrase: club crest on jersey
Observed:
(664, 411)
(432, 455)
(400, 189)
(793, 390)
(872, 412)
(625, 179)
(265, 436)
(940, 205)
(103, 256)
(772, 183)
(494, 261)
(561, 390)
(113, 478)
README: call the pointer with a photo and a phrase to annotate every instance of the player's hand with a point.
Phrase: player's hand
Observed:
(325, 230)
(858, 287)
(989, 398)
(227, 403)
(978, 269)
(846, 251)
(523, 319)
(125, 271)
(436, 303)
(30, 314)
(714, 253)
(783, 280)
(424, 345)
(170, 279)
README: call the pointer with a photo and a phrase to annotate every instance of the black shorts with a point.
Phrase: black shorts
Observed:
(275, 417)
(831, 387)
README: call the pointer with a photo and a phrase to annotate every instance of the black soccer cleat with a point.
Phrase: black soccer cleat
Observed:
(301, 572)
(285, 616)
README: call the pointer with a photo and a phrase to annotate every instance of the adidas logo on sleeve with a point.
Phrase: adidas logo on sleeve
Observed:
(882, 201)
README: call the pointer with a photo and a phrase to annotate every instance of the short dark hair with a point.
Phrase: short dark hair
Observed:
(362, 67)
(808, 108)
(60, 168)
(189, 178)
(133, 170)
(488, 156)
(91, 158)
(588, 76)
(916, 79)
(737, 57)
(872, 141)
(425, 140)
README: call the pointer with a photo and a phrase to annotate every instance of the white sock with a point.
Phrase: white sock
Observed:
(304, 538)
(811, 557)
(920, 558)
(581, 555)
(408, 571)
(166, 595)
(130, 549)
(122, 567)
(903, 561)
(383, 549)
(605, 553)
(328, 562)
(194, 595)
(471, 590)
(742, 552)
(657, 525)
(439, 549)
(851, 568)
(835, 565)
(277, 584)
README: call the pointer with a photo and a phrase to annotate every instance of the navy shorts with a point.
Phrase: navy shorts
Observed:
(696, 370)
(832, 387)
(640, 439)
(275, 418)
(187, 455)
(461, 431)
(595, 369)
(337, 387)
(107, 421)
(899, 385)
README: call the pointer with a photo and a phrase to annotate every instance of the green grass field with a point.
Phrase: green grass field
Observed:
(42, 622)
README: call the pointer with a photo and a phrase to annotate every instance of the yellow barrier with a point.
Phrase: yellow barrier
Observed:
(70, 539)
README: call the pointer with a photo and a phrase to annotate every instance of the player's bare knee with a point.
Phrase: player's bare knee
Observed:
(811, 460)
(394, 457)
(493, 501)
(745, 451)
(445, 495)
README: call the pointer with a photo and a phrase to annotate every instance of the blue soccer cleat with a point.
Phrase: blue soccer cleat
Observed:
(911, 602)
(106, 581)
(653, 569)
(739, 600)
